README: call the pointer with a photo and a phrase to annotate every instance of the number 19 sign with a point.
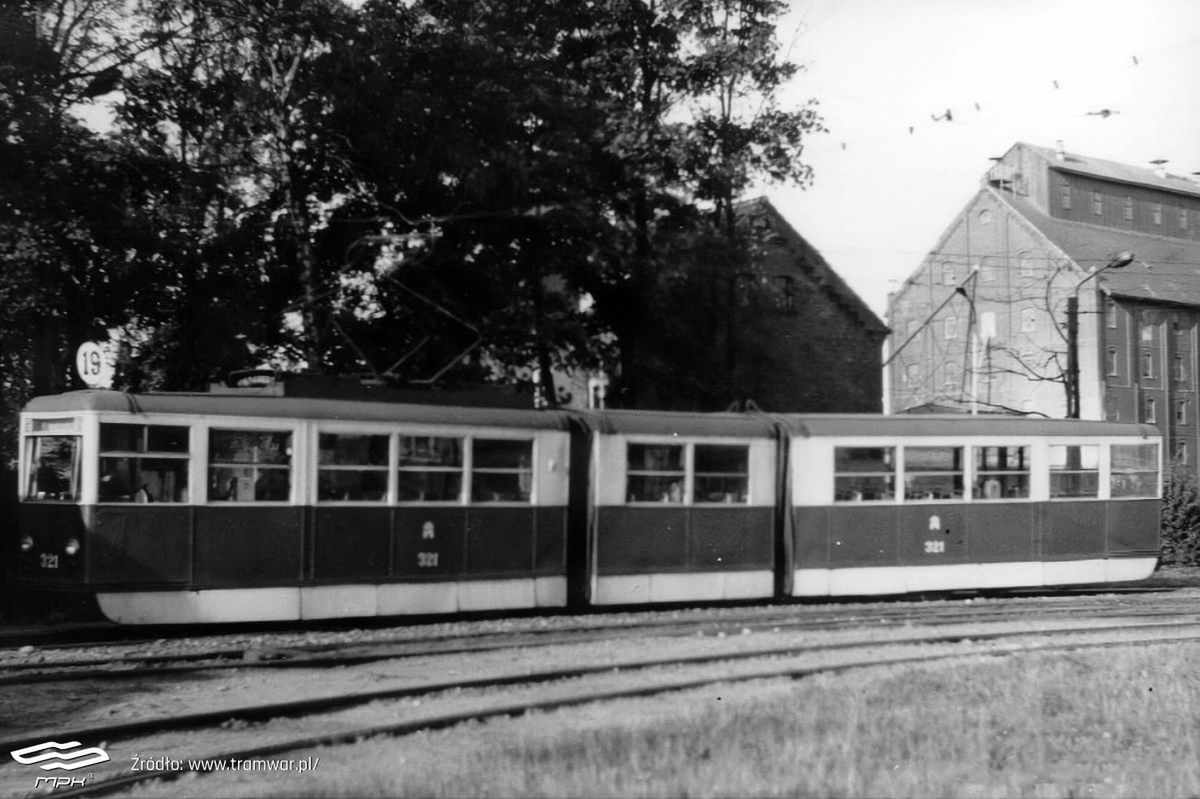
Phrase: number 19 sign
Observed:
(94, 364)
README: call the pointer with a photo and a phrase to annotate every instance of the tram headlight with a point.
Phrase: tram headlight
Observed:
(26, 543)
(71, 547)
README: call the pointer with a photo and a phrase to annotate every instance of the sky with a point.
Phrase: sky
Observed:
(882, 195)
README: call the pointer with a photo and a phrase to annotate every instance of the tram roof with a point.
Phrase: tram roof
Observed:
(682, 423)
(609, 421)
(820, 425)
(275, 407)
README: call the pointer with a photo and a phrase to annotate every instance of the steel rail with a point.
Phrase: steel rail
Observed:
(144, 665)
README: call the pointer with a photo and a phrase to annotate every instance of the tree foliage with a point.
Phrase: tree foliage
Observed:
(550, 184)
(1180, 516)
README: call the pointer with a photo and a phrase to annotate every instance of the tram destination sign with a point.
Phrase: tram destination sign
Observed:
(94, 363)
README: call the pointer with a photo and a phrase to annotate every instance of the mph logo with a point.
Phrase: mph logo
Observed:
(67, 757)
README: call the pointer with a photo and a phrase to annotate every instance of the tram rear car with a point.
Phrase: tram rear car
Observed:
(886, 505)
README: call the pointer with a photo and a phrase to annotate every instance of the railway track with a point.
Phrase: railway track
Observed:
(140, 665)
(263, 730)
(322, 655)
(86, 635)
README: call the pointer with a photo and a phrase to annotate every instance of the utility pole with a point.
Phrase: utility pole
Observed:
(1119, 261)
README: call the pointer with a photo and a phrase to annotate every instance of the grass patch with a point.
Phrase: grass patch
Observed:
(1104, 723)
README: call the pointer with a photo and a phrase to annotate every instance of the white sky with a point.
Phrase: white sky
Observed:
(877, 67)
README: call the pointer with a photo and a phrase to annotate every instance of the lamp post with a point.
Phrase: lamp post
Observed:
(1119, 261)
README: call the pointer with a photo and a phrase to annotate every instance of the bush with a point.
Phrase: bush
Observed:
(1180, 516)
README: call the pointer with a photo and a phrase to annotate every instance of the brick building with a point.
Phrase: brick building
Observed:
(823, 346)
(981, 323)
(802, 339)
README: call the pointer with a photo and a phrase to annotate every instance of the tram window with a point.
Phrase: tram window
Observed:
(722, 473)
(249, 466)
(53, 468)
(431, 469)
(1134, 470)
(1074, 471)
(501, 470)
(654, 473)
(864, 474)
(1001, 472)
(933, 472)
(351, 468)
(143, 463)
(144, 438)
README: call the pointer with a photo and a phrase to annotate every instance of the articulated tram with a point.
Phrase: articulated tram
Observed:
(256, 506)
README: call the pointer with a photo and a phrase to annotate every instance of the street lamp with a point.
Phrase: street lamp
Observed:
(1118, 261)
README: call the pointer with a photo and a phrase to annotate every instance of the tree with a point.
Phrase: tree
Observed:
(691, 121)
(65, 268)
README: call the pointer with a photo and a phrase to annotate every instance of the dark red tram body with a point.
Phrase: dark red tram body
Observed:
(180, 508)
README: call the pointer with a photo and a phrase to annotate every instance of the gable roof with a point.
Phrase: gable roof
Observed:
(1113, 170)
(1164, 270)
(806, 257)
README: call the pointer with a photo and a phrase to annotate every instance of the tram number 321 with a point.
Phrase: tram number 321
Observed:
(49, 561)
(935, 547)
(427, 560)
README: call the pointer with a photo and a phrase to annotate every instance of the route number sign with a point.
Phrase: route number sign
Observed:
(94, 364)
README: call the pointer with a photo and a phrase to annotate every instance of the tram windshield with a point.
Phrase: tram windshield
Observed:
(53, 468)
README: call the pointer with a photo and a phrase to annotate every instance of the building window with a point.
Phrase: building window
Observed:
(1129, 209)
(1110, 313)
(1147, 365)
(1157, 212)
(951, 379)
(1026, 265)
(987, 269)
(431, 469)
(1180, 369)
(913, 373)
(1151, 411)
(1066, 196)
(143, 463)
(1097, 203)
(249, 466)
(1110, 362)
(1148, 334)
(1074, 471)
(1001, 472)
(1181, 412)
(1183, 218)
(1028, 320)
(785, 293)
(352, 468)
(951, 327)
(1181, 450)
